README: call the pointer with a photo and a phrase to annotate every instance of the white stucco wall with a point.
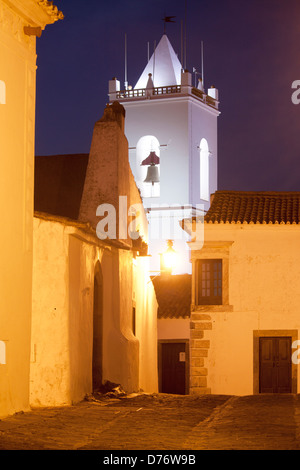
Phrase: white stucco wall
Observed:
(62, 321)
(173, 328)
(167, 120)
(203, 124)
(17, 125)
(179, 124)
(146, 326)
(50, 371)
(17, 118)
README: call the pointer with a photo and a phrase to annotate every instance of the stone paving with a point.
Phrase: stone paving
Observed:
(260, 422)
(159, 422)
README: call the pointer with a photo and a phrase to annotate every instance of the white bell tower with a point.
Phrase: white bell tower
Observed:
(175, 122)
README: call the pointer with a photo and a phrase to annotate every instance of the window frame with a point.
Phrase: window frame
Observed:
(211, 250)
(206, 279)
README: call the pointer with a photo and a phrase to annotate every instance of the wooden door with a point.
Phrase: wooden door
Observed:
(275, 365)
(173, 368)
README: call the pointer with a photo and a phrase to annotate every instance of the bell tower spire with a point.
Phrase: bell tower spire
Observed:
(163, 65)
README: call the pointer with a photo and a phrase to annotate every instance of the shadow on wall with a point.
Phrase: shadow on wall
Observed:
(97, 371)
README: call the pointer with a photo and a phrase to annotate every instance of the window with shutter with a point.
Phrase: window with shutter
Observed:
(209, 282)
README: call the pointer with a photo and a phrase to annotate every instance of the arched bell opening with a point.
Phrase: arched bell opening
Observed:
(204, 170)
(148, 166)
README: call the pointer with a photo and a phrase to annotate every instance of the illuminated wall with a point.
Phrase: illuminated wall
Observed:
(260, 268)
(62, 325)
(181, 126)
(66, 254)
(182, 121)
(17, 122)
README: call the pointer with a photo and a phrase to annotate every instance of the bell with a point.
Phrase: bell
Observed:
(152, 174)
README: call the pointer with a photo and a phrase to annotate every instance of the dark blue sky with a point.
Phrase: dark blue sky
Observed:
(251, 54)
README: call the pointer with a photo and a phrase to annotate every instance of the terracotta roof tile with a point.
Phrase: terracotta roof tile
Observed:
(173, 294)
(260, 207)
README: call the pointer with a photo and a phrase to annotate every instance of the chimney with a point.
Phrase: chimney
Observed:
(213, 93)
(186, 81)
(113, 87)
(107, 174)
(114, 112)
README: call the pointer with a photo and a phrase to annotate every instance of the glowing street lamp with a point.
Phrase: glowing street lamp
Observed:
(168, 259)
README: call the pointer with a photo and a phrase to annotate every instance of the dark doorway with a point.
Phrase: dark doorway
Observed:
(97, 328)
(173, 368)
(275, 365)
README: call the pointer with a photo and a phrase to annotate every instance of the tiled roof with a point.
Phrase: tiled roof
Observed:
(254, 207)
(173, 294)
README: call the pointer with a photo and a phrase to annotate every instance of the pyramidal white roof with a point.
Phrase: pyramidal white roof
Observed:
(163, 65)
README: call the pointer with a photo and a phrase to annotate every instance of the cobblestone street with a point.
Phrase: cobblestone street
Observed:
(159, 422)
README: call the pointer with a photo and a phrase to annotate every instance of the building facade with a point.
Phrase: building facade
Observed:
(171, 127)
(173, 293)
(244, 323)
(20, 23)
(94, 306)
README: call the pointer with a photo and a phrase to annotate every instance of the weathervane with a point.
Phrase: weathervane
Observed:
(168, 19)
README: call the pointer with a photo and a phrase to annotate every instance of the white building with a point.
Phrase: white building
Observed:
(21, 22)
(167, 115)
(245, 295)
(94, 308)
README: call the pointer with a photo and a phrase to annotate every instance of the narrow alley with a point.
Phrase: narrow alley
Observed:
(159, 422)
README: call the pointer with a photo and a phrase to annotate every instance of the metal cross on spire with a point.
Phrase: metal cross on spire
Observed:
(168, 19)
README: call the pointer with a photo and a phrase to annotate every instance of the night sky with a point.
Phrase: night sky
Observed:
(251, 54)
